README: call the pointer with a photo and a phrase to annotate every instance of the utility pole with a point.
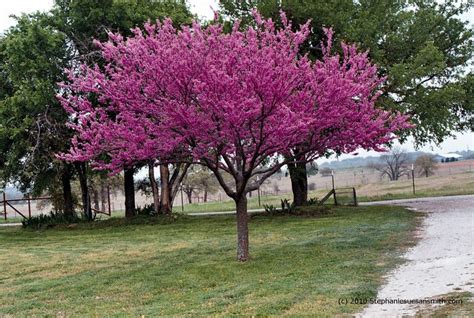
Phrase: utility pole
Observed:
(258, 193)
(182, 201)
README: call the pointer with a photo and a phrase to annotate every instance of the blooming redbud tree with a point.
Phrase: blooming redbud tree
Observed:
(236, 103)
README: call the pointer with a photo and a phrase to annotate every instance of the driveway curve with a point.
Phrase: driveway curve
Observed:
(441, 262)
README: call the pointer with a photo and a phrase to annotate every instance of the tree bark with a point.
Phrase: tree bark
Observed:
(67, 194)
(103, 196)
(154, 187)
(299, 183)
(86, 203)
(189, 195)
(95, 199)
(166, 203)
(205, 195)
(242, 228)
(129, 190)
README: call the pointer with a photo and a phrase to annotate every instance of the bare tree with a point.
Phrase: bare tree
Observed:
(393, 165)
(200, 179)
(425, 165)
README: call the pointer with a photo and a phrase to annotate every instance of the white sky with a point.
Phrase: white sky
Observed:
(203, 9)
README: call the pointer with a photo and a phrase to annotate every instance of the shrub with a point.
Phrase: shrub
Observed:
(270, 208)
(146, 210)
(52, 219)
(312, 201)
(287, 207)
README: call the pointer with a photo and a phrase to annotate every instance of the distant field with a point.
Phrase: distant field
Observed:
(437, 185)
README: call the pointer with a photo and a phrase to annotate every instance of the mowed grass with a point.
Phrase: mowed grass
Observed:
(299, 265)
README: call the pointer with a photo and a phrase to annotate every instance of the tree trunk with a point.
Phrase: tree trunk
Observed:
(205, 195)
(154, 188)
(166, 203)
(86, 203)
(299, 183)
(95, 198)
(189, 194)
(103, 196)
(67, 194)
(129, 190)
(242, 228)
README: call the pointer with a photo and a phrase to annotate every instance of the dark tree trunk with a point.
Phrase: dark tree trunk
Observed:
(95, 198)
(129, 190)
(189, 195)
(103, 196)
(299, 182)
(205, 195)
(86, 202)
(166, 203)
(154, 188)
(67, 194)
(176, 179)
(242, 228)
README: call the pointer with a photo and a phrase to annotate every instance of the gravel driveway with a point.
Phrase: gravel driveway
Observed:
(441, 262)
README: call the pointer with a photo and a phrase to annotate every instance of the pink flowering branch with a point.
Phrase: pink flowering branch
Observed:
(239, 103)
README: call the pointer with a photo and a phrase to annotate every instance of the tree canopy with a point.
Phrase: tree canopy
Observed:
(233, 102)
(423, 47)
(33, 55)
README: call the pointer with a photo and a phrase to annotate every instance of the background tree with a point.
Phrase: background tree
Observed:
(232, 102)
(393, 165)
(171, 177)
(33, 55)
(199, 180)
(83, 21)
(421, 46)
(32, 122)
(426, 165)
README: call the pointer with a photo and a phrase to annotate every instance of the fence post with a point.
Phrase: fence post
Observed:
(355, 196)
(5, 205)
(29, 205)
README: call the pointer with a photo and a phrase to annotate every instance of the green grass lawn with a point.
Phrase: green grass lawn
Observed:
(229, 205)
(299, 265)
(17, 219)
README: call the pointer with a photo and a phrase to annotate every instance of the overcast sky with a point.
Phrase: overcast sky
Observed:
(203, 9)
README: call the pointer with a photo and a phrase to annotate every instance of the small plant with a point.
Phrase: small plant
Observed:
(287, 207)
(270, 208)
(312, 201)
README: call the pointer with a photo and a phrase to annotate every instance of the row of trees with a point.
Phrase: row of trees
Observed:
(242, 99)
(397, 164)
(33, 56)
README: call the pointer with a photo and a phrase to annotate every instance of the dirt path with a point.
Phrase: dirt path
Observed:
(442, 261)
